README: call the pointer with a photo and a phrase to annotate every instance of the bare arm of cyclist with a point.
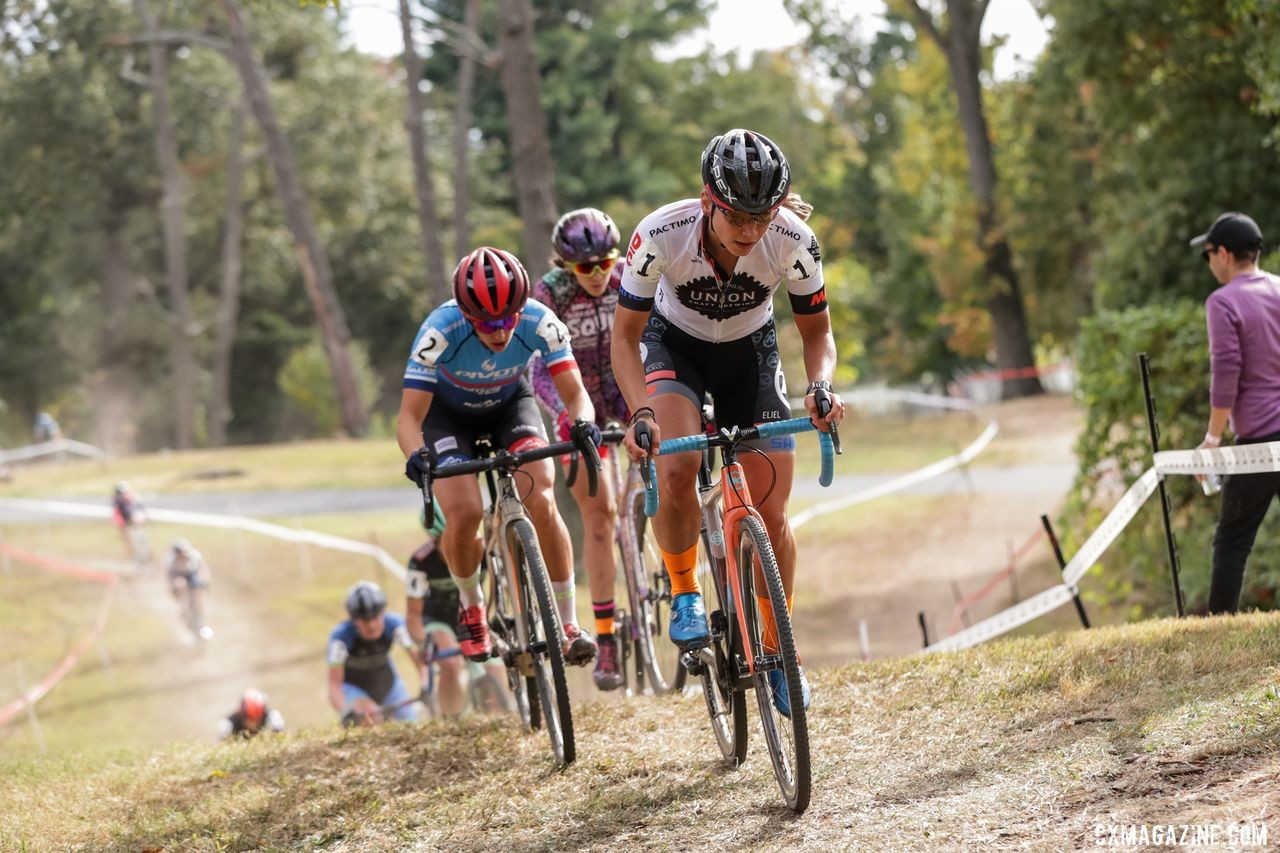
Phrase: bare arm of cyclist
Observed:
(628, 324)
(414, 405)
(413, 617)
(819, 362)
(336, 699)
(576, 399)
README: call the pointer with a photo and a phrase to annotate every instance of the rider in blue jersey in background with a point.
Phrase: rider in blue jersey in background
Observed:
(466, 377)
(362, 678)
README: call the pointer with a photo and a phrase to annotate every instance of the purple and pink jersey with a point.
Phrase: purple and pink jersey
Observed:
(590, 323)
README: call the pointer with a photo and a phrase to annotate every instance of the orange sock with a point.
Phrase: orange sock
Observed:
(769, 627)
(680, 568)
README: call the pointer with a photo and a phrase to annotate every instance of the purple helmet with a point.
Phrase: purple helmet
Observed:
(584, 234)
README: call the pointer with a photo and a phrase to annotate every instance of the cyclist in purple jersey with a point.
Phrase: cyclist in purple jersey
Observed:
(582, 291)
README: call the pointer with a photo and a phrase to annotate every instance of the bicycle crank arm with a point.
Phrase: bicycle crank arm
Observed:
(698, 660)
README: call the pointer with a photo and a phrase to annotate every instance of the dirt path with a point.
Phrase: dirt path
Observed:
(907, 560)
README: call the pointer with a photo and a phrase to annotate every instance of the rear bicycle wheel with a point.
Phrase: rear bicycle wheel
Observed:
(787, 738)
(656, 656)
(548, 660)
(726, 704)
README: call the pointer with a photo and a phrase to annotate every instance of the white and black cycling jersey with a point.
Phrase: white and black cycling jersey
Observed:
(668, 267)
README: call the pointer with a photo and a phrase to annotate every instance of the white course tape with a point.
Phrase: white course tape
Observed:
(225, 522)
(1006, 620)
(897, 484)
(1116, 521)
(49, 448)
(1242, 459)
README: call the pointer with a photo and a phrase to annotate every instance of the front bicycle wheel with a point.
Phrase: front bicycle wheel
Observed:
(786, 737)
(544, 634)
(657, 657)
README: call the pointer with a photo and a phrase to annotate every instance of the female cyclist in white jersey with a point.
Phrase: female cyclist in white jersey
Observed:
(695, 316)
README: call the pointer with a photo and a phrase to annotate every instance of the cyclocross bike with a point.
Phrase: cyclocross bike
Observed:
(523, 619)
(742, 562)
(646, 659)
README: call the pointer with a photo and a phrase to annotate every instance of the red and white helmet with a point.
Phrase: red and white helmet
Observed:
(253, 705)
(490, 284)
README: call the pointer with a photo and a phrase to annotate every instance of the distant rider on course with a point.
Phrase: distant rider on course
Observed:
(362, 678)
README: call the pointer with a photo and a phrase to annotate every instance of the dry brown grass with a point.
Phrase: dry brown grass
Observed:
(1023, 744)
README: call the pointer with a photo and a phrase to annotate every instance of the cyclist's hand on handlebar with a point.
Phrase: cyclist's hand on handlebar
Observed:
(833, 417)
(586, 431)
(635, 448)
(417, 466)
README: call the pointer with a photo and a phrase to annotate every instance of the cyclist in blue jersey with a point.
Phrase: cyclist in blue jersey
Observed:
(362, 678)
(582, 290)
(466, 377)
(695, 315)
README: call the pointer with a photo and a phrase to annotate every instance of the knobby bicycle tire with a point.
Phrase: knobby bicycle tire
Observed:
(556, 711)
(791, 771)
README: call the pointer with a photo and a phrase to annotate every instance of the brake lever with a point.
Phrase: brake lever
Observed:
(428, 499)
(592, 453)
(822, 400)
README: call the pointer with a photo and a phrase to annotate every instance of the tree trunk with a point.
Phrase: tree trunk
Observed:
(428, 220)
(114, 423)
(961, 43)
(530, 145)
(318, 277)
(229, 299)
(173, 221)
(462, 117)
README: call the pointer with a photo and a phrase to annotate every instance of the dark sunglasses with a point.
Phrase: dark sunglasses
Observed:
(1208, 252)
(604, 264)
(488, 327)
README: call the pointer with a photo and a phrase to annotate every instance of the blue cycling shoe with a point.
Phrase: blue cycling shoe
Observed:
(781, 698)
(689, 628)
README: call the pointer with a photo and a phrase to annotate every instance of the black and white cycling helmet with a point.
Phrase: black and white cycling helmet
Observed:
(747, 171)
(366, 600)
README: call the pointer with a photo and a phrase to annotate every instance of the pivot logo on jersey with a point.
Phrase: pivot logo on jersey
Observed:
(488, 364)
(741, 293)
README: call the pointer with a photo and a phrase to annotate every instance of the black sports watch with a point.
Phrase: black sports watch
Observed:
(815, 385)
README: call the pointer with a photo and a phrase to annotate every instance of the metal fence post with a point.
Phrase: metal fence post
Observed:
(1144, 366)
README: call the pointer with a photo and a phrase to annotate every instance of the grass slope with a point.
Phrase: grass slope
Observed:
(1031, 742)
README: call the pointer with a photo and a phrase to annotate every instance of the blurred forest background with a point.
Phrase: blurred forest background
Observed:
(220, 225)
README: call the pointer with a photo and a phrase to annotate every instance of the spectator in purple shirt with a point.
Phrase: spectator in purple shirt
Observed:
(1244, 356)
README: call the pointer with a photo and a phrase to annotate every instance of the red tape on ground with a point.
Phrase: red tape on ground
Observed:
(957, 612)
(48, 563)
(36, 693)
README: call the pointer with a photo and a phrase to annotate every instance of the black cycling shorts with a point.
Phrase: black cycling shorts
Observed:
(449, 434)
(743, 376)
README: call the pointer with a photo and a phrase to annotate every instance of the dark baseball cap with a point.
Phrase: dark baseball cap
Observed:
(1235, 231)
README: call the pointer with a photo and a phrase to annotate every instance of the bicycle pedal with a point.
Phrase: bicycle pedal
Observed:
(691, 662)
